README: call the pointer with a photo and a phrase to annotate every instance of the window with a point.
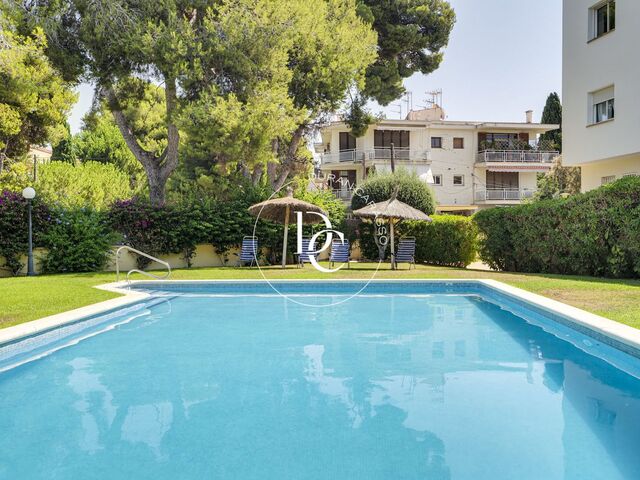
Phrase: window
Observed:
(603, 105)
(347, 141)
(608, 179)
(603, 111)
(603, 19)
(384, 138)
(501, 141)
(436, 142)
(437, 180)
(458, 180)
(458, 142)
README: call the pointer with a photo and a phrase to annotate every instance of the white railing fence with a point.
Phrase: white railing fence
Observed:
(378, 153)
(522, 156)
(506, 194)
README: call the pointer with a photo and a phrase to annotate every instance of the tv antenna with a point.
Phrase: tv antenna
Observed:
(396, 108)
(408, 99)
(434, 98)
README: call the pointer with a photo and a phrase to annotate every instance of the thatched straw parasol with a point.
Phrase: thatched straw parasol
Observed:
(283, 210)
(395, 212)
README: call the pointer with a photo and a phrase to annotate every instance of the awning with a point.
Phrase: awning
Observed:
(519, 168)
(456, 208)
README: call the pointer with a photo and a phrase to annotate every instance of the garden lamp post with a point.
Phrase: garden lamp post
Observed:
(29, 194)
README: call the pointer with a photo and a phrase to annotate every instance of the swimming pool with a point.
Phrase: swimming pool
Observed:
(407, 380)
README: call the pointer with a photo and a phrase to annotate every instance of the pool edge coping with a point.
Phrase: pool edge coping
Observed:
(610, 328)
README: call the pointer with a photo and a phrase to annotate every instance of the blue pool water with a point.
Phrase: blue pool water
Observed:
(426, 384)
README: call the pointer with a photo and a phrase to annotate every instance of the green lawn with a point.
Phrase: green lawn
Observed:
(23, 299)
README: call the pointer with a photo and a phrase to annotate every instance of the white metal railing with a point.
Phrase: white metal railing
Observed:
(516, 156)
(343, 156)
(384, 153)
(343, 194)
(135, 270)
(377, 153)
(506, 194)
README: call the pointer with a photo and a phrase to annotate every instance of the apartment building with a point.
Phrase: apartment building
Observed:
(601, 80)
(470, 165)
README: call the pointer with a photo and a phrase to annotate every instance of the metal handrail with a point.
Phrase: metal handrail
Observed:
(135, 270)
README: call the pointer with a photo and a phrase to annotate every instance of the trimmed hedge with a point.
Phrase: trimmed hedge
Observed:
(380, 187)
(596, 233)
(449, 240)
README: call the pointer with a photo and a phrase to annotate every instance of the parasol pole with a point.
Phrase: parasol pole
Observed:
(286, 234)
(393, 256)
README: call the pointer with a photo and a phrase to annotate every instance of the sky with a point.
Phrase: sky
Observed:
(504, 57)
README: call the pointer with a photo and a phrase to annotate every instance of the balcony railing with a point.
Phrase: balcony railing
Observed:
(516, 156)
(343, 194)
(503, 194)
(378, 153)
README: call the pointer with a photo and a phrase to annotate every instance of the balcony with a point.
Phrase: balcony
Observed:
(377, 153)
(343, 194)
(516, 156)
(503, 195)
(517, 151)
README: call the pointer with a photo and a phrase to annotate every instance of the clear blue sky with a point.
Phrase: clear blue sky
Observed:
(504, 57)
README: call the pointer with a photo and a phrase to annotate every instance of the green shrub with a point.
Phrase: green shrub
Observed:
(91, 184)
(159, 230)
(14, 228)
(380, 187)
(448, 240)
(596, 233)
(77, 241)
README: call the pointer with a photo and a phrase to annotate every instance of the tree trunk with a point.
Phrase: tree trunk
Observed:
(157, 168)
(290, 157)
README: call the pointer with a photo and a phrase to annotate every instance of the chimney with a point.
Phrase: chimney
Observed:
(529, 114)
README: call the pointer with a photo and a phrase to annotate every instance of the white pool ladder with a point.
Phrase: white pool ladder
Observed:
(135, 270)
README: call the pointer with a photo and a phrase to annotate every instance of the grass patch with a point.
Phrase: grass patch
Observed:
(28, 298)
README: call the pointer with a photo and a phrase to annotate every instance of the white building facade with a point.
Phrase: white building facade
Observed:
(601, 81)
(473, 164)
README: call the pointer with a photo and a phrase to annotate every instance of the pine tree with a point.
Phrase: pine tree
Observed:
(552, 114)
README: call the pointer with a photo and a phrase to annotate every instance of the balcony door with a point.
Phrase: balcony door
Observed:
(347, 141)
(503, 181)
(384, 138)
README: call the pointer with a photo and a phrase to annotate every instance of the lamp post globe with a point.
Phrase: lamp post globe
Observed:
(29, 194)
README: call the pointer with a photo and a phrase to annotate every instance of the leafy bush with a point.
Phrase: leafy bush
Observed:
(89, 184)
(179, 228)
(77, 241)
(448, 240)
(157, 230)
(15, 177)
(380, 187)
(595, 233)
(14, 227)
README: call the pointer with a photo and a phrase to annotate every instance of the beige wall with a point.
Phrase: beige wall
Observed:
(589, 66)
(206, 256)
(592, 173)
